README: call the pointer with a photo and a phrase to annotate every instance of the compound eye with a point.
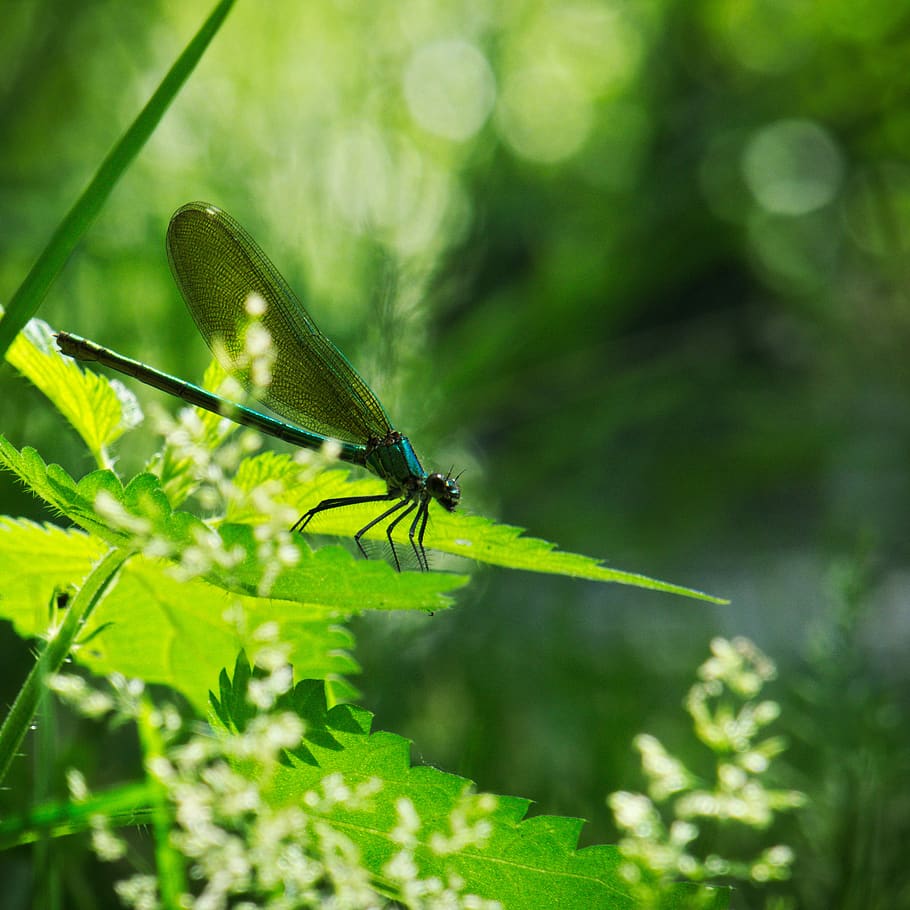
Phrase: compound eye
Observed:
(445, 490)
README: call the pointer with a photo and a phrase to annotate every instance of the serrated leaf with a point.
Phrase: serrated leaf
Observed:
(259, 469)
(334, 577)
(456, 533)
(152, 626)
(525, 863)
(52, 484)
(139, 516)
(99, 409)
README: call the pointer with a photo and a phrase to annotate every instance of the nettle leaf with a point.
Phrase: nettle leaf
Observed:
(35, 561)
(156, 627)
(98, 408)
(456, 533)
(299, 487)
(264, 468)
(140, 517)
(521, 862)
(328, 568)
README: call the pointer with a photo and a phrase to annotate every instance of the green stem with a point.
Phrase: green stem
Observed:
(69, 232)
(127, 805)
(171, 868)
(52, 655)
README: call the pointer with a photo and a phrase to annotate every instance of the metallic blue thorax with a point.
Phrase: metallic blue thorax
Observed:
(395, 461)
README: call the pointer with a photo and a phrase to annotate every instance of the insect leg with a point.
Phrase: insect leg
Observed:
(391, 511)
(391, 527)
(337, 503)
(423, 514)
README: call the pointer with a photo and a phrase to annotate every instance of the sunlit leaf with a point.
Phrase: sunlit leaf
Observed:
(457, 533)
(156, 627)
(521, 859)
(99, 409)
(139, 516)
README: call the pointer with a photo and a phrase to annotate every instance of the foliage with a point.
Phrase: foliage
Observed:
(170, 595)
(291, 804)
(639, 269)
(300, 822)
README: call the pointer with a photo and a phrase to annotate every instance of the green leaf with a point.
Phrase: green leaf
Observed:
(139, 516)
(28, 297)
(524, 862)
(179, 631)
(99, 409)
(54, 651)
(50, 483)
(519, 861)
(266, 467)
(456, 533)
(154, 627)
(36, 560)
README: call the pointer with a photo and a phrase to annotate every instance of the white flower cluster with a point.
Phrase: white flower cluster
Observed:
(469, 826)
(729, 720)
(244, 849)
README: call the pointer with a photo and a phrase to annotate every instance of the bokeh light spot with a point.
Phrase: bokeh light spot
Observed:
(765, 36)
(544, 114)
(792, 167)
(449, 88)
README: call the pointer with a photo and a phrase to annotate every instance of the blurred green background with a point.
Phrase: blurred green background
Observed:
(639, 268)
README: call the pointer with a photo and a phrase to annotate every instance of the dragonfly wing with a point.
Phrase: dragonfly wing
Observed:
(218, 267)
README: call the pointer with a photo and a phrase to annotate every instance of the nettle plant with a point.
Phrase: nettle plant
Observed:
(285, 798)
